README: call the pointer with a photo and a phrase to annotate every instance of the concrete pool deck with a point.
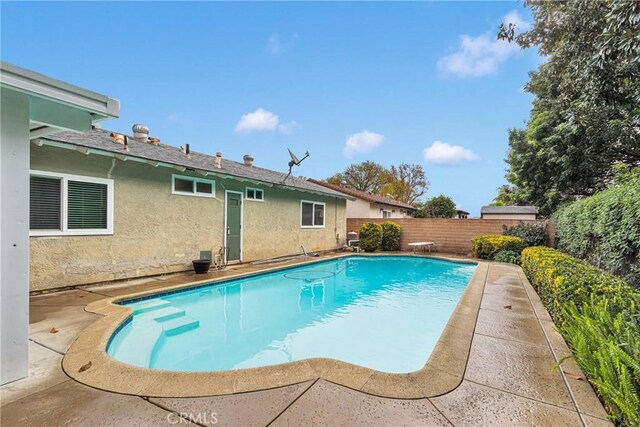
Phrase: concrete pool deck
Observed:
(509, 376)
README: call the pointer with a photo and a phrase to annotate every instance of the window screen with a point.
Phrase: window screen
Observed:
(307, 214)
(183, 185)
(87, 205)
(45, 209)
(204, 187)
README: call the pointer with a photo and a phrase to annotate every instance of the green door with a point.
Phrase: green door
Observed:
(234, 224)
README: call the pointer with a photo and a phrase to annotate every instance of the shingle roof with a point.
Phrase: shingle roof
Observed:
(100, 139)
(509, 210)
(364, 195)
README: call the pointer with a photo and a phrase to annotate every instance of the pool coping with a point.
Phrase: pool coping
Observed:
(87, 361)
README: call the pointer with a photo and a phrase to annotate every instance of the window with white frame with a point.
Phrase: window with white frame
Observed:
(64, 204)
(192, 186)
(312, 214)
(386, 214)
(256, 194)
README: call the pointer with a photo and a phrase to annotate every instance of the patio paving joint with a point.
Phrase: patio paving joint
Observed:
(44, 346)
(511, 340)
(292, 402)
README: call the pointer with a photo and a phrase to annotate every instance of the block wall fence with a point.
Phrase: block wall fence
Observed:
(450, 235)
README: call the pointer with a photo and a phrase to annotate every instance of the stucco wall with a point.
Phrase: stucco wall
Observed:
(523, 217)
(158, 232)
(375, 211)
(363, 209)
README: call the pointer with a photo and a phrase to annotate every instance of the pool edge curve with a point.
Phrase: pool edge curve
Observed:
(442, 373)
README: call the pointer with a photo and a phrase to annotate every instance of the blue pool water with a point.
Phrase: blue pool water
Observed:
(384, 313)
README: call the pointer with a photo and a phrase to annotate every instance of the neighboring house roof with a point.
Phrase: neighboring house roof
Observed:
(373, 198)
(461, 212)
(101, 140)
(509, 210)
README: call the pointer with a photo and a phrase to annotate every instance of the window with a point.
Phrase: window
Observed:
(312, 214)
(63, 204)
(386, 214)
(192, 186)
(255, 194)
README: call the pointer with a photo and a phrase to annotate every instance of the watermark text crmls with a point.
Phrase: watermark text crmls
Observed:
(206, 418)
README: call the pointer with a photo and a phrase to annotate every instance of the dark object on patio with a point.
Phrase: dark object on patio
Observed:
(201, 266)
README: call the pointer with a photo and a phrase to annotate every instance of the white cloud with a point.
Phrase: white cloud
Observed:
(276, 46)
(514, 18)
(262, 120)
(481, 55)
(362, 142)
(442, 153)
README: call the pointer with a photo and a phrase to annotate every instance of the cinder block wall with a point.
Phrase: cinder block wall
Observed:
(451, 235)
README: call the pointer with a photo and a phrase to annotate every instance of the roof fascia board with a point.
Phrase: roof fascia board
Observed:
(41, 86)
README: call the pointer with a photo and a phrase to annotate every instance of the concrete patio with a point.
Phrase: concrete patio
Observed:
(509, 378)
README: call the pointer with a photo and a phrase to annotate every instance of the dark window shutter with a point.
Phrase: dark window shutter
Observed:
(44, 212)
(87, 205)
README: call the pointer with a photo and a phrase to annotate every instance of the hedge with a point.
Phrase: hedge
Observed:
(604, 229)
(391, 233)
(486, 247)
(370, 237)
(599, 316)
(561, 279)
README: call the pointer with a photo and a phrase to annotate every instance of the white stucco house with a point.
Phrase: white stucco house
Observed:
(509, 212)
(367, 205)
(32, 106)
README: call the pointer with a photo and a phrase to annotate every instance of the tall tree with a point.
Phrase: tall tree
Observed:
(366, 176)
(437, 207)
(408, 183)
(586, 115)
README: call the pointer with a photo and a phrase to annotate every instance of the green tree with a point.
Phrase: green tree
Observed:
(586, 115)
(408, 183)
(366, 176)
(437, 207)
(405, 182)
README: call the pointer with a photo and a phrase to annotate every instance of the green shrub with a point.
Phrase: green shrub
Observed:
(599, 316)
(607, 348)
(535, 234)
(370, 237)
(505, 255)
(391, 233)
(486, 247)
(604, 229)
(561, 279)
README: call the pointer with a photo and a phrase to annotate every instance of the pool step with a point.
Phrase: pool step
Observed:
(146, 306)
(179, 325)
(138, 351)
(167, 313)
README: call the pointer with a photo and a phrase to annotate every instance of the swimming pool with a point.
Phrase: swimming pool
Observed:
(384, 312)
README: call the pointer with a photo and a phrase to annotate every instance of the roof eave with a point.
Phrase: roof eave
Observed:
(100, 106)
(182, 166)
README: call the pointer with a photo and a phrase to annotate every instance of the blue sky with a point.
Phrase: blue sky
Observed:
(419, 83)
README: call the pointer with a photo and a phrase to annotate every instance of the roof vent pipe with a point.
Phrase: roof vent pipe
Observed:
(140, 132)
(248, 159)
(217, 160)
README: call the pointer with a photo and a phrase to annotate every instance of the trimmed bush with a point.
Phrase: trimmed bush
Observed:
(370, 237)
(533, 233)
(604, 229)
(391, 233)
(486, 247)
(561, 279)
(511, 257)
(599, 316)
